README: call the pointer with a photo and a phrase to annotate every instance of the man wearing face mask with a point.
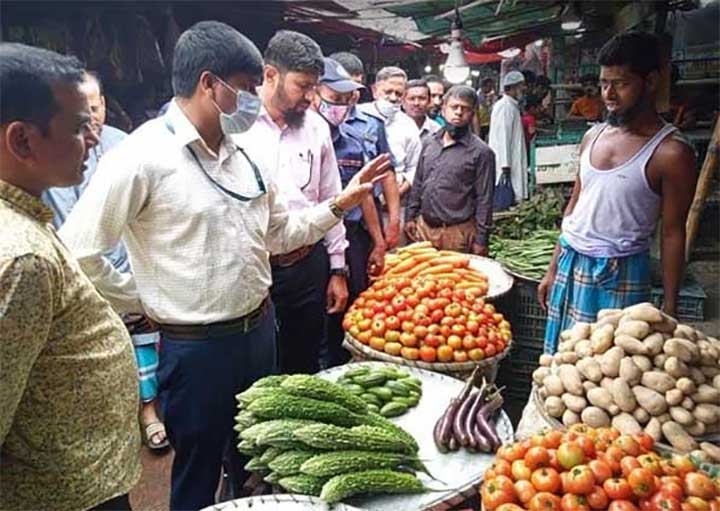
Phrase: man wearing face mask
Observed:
(198, 213)
(507, 138)
(312, 280)
(633, 169)
(451, 201)
(590, 106)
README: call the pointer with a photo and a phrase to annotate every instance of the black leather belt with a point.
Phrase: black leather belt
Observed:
(241, 325)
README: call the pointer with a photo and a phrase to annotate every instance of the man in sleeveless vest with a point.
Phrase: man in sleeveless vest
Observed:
(634, 169)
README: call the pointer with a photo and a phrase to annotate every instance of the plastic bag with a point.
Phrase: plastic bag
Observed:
(504, 194)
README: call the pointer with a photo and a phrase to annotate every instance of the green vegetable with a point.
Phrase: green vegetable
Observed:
(286, 406)
(377, 420)
(541, 212)
(304, 385)
(372, 399)
(270, 454)
(393, 409)
(281, 434)
(274, 380)
(398, 388)
(341, 462)
(356, 371)
(244, 420)
(384, 393)
(272, 478)
(371, 481)
(245, 398)
(354, 388)
(255, 465)
(303, 483)
(529, 256)
(370, 380)
(368, 438)
(289, 462)
(249, 448)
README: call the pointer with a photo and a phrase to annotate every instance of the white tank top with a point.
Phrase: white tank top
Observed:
(617, 210)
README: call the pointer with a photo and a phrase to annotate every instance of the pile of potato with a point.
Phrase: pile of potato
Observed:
(635, 369)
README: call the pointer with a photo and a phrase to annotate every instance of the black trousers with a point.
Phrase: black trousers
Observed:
(299, 295)
(121, 503)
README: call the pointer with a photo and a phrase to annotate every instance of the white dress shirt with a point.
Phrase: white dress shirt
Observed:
(302, 162)
(429, 127)
(507, 140)
(199, 256)
(404, 140)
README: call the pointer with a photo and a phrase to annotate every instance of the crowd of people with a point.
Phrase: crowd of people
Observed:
(237, 226)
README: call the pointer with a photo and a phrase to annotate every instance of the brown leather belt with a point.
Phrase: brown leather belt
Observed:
(285, 260)
(241, 325)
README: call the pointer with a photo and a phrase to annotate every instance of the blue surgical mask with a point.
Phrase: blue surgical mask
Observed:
(247, 108)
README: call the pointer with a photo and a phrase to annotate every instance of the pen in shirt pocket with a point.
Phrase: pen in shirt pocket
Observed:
(307, 159)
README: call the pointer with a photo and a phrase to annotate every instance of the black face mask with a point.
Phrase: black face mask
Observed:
(457, 132)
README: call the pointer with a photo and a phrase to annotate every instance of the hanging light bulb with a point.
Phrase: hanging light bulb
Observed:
(456, 68)
(428, 69)
(570, 20)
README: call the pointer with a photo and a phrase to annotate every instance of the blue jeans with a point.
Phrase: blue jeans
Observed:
(198, 381)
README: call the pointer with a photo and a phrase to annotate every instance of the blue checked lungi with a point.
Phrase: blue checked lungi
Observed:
(584, 285)
(146, 355)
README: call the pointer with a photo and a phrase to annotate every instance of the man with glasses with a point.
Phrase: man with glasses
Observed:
(198, 217)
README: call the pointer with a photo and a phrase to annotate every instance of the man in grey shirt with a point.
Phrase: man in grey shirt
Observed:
(451, 200)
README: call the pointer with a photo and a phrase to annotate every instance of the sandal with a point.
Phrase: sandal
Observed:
(153, 429)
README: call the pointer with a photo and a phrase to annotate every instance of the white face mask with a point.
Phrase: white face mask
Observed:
(247, 109)
(387, 109)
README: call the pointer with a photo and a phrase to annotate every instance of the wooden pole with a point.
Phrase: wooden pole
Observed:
(709, 167)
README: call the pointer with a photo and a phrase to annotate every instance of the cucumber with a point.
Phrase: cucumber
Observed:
(372, 399)
(372, 407)
(370, 380)
(383, 393)
(393, 409)
(397, 388)
(354, 388)
(405, 401)
(356, 371)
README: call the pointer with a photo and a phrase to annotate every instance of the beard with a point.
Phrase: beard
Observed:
(294, 116)
(626, 116)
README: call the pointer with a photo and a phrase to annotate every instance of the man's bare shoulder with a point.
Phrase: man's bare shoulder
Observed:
(675, 156)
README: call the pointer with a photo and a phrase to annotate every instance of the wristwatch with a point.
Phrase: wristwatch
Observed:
(342, 272)
(336, 210)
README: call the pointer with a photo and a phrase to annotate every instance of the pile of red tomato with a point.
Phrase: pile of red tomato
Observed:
(587, 469)
(430, 319)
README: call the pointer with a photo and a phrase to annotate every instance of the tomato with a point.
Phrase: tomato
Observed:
(392, 323)
(628, 444)
(444, 353)
(510, 507)
(597, 498)
(404, 316)
(377, 343)
(410, 353)
(572, 502)
(460, 356)
(468, 342)
(628, 464)
(428, 354)
(601, 471)
(392, 336)
(642, 482)
(696, 504)
(364, 337)
(617, 488)
(511, 452)
(622, 505)
(683, 464)
(524, 491)
(645, 441)
(544, 501)
(453, 310)
(420, 331)
(473, 326)
(570, 454)
(407, 326)
(476, 355)
(613, 455)
(546, 480)
(580, 480)
(553, 439)
(496, 492)
(408, 339)
(392, 348)
(697, 484)
(502, 467)
(663, 502)
(520, 471)
(436, 316)
(454, 342)
(389, 311)
(651, 462)
(490, 351)
(587, 445)
(537, 457)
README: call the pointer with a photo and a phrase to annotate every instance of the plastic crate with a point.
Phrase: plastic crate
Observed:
(527, 318)
(691, 300)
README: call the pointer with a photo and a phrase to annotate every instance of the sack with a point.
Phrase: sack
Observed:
(504, 195)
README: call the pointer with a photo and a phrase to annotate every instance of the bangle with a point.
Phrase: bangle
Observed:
(336, 210)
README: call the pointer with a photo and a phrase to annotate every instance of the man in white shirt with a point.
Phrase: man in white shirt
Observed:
(301, 157)
(507, 138)
(416, 104)
(197, 216)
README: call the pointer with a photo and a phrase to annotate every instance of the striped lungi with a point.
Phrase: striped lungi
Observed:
(584, 285)
(146, 355)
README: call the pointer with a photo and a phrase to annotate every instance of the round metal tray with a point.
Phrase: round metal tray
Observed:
(499, 280)
(279, 502)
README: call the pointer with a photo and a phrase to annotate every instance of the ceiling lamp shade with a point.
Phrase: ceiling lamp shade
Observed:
(570, 20)
(456, 68)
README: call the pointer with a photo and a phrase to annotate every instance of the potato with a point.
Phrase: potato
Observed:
(557, 359)
(711, 450)
(590, 369)
(707, 358)
(654, 344)
(540, 374)
(701, 456)
(644, 363)
(568, 358)
(571, 379)
(626, 424)
(716, 382)
(659, 360)
(697, 375)
(595, 417)
(564, 347)
(565, 334)
(610, 364)
(614, 410)
(644, 312)
(569, 418)
(684, 332)
(600, 397)
(601, 339)
(696, 429)
(686, 386)
(584, 349)
(630, 344)
(676, 367)
(579, 331)
(636, 329)
(545, 360)
(588, 385)
(606, 383)
(663, 418)
(681, 415)
(602, 313)
(658, 381)
(706, 394)
(681, 349)
(654, 428)
(554, 385)
(678, 438)
(710, 372)
(674, 397)
(707, 413)
(651, 401)
(641, 416)
(612, 320)
(554, 406)
(573, 402)
(543, 393)
(666, 326)
(623, 396)
(688, 403)
(629, 371)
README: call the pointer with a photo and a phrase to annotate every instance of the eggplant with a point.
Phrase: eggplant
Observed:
(453, 445)
(483, 444)
(459, 430)
(446, 428)
(471, 418)
(439, 442)
(484, 424)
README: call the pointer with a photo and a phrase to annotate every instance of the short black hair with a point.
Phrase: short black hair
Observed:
(96, 78)
(27, 75)
(639, 50)
(434, 79)
(212, 46)
(419, 82)
(463, 92)
(350, 62)
(293, 51)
